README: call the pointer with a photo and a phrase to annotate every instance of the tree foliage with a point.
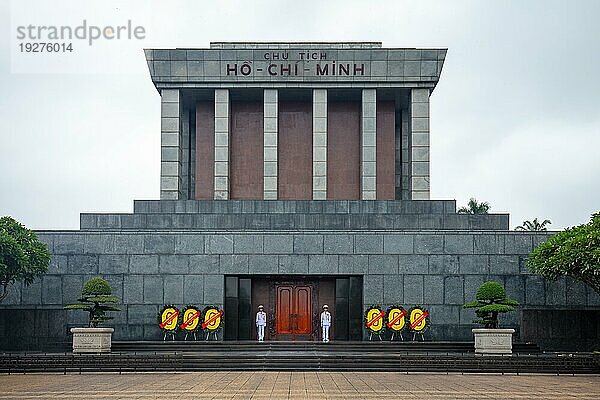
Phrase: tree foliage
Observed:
(534, 225)
(491, 301)
(574, 252)
(23, 256)
(97, 293)
(475, 207)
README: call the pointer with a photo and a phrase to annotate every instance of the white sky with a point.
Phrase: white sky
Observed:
(515, 119)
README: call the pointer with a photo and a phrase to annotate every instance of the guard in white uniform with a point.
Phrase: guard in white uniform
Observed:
(261, 322)
(325, 322)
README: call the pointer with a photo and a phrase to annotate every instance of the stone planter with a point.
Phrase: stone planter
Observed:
(92, 340)
(493, 341)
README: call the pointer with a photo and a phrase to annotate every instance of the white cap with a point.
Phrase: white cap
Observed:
(260, 306)
(325, 306)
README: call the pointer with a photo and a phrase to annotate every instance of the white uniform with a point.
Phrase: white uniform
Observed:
(261, 322)
(325, 324)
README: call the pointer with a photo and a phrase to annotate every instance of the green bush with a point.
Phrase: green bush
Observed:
(491, 301)
(97, 293)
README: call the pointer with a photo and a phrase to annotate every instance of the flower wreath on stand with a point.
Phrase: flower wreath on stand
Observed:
(212, 322)
(395, 321)
(374, 321)
(168, 320)
(418, 320)
(190, 321)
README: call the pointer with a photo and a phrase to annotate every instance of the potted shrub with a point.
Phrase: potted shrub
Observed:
(491, 301)
(96, 299)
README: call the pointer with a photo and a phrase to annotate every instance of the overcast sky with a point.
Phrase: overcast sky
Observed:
(515, 118)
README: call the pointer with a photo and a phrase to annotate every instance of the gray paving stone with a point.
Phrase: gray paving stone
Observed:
(429, 244)
(515, 287)
(248, 244)
(142, 314)
(398, 244)
(113, 264)
(173, 289)
(556, 292)
(143, 264)
(159, 244)
(433, 289)
(193, 290)
(444, 314)
(189, 244)
(412, 264)
(458, 244)
(353, 264)
(308, 244)
(278, 244)
(293, 264)
(368, 244)
(383, 264)
(153, 289)
(32, 294)
(393, 289)
(413, 290)
(518, 243)
(338, 244)
(233, 264)
(504, 265)
(488, 244)
(213, 289)
(133, 289)
(322, 264)
(447, 264)
(219, 244)
(173, 264)
(204, 264)
(82, 264)
(68, 244)
(535, 292)
(373, 290)
(263, 264)
(454, 290)
(129, 244)
(58, 265)
(473, 264)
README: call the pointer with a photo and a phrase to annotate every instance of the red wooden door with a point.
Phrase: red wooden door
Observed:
(294, 310)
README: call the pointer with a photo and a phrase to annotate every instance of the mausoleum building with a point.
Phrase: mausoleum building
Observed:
(295, 175)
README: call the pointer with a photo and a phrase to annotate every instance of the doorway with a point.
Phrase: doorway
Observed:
(293, 319)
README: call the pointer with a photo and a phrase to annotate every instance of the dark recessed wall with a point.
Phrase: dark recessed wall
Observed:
(246, 150)
(295, 150)
(386, 163)
(205, 150)
(343, 150)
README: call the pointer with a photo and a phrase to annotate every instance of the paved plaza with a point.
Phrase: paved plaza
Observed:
(297, 385)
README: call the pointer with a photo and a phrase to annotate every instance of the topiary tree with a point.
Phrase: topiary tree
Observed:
(491, 301)
(574, 252)
(23, 257)
(97, 293)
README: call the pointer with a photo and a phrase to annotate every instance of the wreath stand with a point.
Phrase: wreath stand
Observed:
(172, 333)
(375, 333)
(213, 333)
(394, 334)
(193, 333)
(418, 333)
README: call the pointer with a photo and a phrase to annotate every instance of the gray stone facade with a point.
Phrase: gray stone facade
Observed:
(153, 265)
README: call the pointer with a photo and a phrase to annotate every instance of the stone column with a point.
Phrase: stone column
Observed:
(419, 142)
(270, 145)
(319, 144)
(368, 161)
(170, 145)
(221, 144)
